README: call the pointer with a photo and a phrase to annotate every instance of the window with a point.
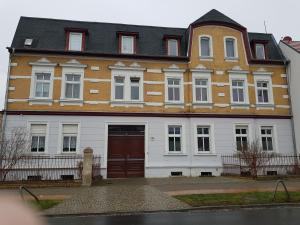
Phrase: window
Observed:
(260, 51)
(127, 87)
(75, 41)
(263, 91)
(38, 137)
(135, 88)
(70, 133)
(238, 92)
(42, 85)
(174, 89)
(127, 44)
(72, 86)
(267, 138)
(173, 47)
(174, 138)
(241, 137)
(201, 90)
(119, 88)
(230, 48)
(203, 138)
(205, 46)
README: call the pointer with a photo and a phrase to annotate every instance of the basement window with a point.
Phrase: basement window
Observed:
(271, 173)
(176, 174)
(206, 174)
(34, 178)
(67, 177)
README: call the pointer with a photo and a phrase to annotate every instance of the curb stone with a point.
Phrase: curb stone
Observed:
(200, 208)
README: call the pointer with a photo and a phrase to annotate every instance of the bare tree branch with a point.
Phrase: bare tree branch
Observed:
(254, 157)
(12, 148)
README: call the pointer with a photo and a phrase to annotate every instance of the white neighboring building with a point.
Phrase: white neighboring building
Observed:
(291, 50)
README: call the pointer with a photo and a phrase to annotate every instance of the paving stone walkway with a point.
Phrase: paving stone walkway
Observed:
(139, 194)
(117, 198)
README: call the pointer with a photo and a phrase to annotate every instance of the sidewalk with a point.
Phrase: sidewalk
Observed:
(140, 195)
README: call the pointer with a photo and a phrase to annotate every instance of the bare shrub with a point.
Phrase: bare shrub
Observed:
(254, 157)
(12, 148)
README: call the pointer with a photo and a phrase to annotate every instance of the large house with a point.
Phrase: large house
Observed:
(291, 50)
(152, 101)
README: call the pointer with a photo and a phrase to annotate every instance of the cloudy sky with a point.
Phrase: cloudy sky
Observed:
(280, 16)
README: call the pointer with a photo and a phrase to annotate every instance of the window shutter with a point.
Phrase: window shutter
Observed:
(70, 128)
(38, 128)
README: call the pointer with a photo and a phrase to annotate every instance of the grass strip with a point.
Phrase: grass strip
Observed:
(237, 198)
(45, 204)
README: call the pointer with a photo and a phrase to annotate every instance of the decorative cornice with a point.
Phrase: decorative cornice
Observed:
(42, 62)
(73, 63)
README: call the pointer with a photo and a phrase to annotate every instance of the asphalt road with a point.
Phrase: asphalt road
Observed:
(258, 216)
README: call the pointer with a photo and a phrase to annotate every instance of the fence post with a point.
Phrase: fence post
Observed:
(87, 167)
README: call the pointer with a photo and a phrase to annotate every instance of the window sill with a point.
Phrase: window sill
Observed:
(40, 101)
(206, 58)
(205, 154)
(266, 106)
(175, 154)
(174, 105)
(229, 59)
(127, 103)
(71, 102)
(202, 104)
(240, 105)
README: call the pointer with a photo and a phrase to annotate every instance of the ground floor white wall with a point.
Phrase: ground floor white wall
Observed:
(158, 163)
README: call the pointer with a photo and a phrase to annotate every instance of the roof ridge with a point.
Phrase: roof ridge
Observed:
(95, 22)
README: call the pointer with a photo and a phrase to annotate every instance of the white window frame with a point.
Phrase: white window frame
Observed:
(266, 78)
(236, 55)
(127, 74)
(41, 69)
(210, 46)
(211, 139)
(177, 46)
(70, 35)
(239, 77)
(202, 75)
(182, 140)
(132, 43)
(274, 136)
(246, 125)
(77, 71)
(264, 51)
(61, 137)
(179, 76)
(29, 124)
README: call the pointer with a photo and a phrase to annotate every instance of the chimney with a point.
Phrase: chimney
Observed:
(287, 39)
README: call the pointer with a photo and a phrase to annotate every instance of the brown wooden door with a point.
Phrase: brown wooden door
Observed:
(126, 155)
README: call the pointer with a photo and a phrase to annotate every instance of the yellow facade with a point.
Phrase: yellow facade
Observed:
(101, 102)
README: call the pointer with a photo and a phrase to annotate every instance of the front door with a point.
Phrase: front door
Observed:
(126, 151)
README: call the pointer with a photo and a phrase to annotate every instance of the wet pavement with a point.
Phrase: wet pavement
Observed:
(258, 216)
(144, 195)
(117, 198)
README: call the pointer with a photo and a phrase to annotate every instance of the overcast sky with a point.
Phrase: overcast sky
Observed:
(282, 17)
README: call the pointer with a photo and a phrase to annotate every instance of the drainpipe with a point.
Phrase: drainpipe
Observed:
(6, 94)
(289, 79)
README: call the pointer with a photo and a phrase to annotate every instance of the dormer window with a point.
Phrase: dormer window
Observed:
(173, 48)
(260, 51)
(75, 41)
(127, 44)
